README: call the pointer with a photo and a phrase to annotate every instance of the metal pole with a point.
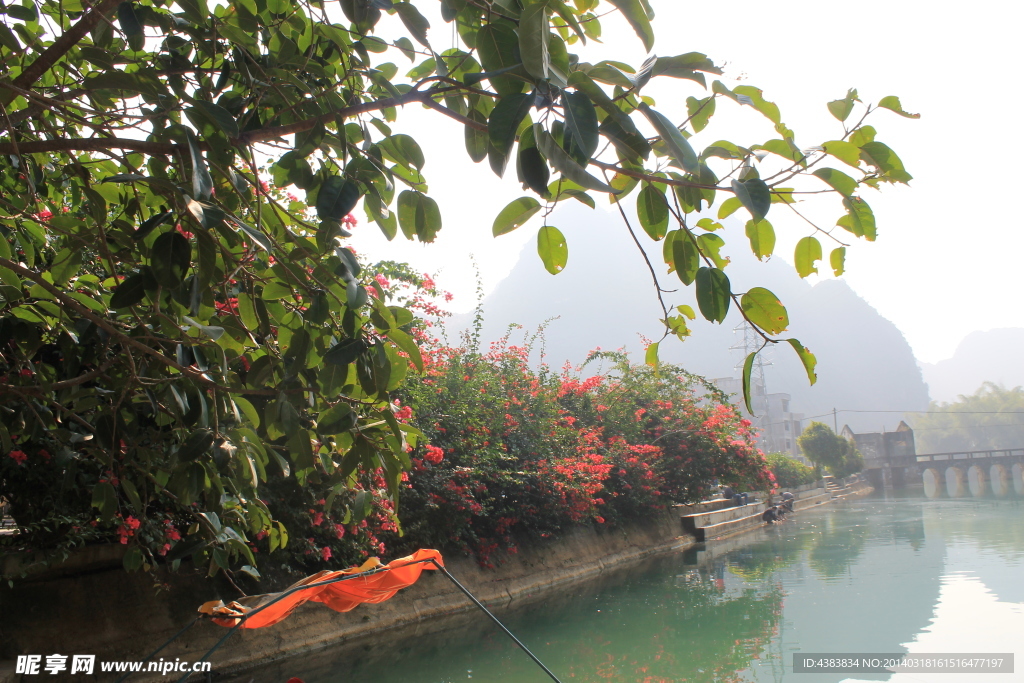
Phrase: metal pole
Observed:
(495, 619)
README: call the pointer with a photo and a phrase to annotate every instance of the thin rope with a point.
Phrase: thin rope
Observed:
(500, 625)
(157, 651)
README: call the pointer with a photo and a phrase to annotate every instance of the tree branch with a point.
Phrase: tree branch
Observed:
(62, 45)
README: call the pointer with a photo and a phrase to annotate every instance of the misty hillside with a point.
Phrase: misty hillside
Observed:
(990, 356)
(605, 298)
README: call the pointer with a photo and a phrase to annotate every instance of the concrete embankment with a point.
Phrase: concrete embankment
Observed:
(90, 606)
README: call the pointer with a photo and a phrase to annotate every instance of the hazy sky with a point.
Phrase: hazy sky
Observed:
(946, 260)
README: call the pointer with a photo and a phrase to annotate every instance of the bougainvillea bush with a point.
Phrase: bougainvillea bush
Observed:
(517, 452)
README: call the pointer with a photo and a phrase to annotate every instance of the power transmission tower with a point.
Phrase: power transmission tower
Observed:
(749, 341)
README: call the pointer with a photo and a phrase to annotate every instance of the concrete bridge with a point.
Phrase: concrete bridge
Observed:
(976, 473)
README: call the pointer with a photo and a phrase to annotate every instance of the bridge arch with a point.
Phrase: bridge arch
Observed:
(956, 482)
(977, 481)
(1000, 479)
(1018, 478)
(932, 482)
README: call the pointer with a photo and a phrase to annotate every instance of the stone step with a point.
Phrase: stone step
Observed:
(732, 526)
(695, 521)
(811, 501)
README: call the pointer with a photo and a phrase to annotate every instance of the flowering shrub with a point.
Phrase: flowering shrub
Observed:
(519, 453)
(789, 473)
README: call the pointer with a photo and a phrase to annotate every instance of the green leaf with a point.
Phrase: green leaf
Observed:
(651, 356)
(418, 216)
(218, 116)
(837, 259)
(846, 152)
(859, 219)
(133, 496)
(710, 245)
(403, 149)
(808, 252)
(892, 103)
(568, 17)
(762, 238)
(678, 146)
(652, 210)
(636, 15)
(785, 149)
(66, 265)
(104, 499)
(764, 309)
(476, 140)
(405, 342)
(170, 259)
(533, 170)
(581, 121)
(757, 101)
(515, 215)
(841, 109)
(212, 331)
(497, 44)
(336, 198)
(337, 419)
(885, 160)
(754, 195)
(552, 249)
(133, 559)
(150, 224)
(748, 366)
(807, 358)
(202, 182)
(345, 351)
(729, 207)
(131, 291)
(563, 163)
(700, 111)
(685, 256)
(713, 294)
(842, 183)
(533, 40)
(415, 22)
(505, 118)
(131, 26)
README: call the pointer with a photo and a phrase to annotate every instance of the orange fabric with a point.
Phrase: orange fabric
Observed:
(341, 596)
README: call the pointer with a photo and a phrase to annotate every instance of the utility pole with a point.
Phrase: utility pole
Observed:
(835, 421)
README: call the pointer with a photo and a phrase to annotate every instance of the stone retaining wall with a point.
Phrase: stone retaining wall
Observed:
(119, 616)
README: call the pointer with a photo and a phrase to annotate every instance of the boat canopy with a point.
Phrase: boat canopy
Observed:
(342, 591)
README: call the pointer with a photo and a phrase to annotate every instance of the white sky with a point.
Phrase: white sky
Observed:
(946, 260)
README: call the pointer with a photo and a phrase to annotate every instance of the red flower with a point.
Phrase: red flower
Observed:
(19, 457)
(434, 455)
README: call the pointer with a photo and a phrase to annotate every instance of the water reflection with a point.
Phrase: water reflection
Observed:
(865, 576)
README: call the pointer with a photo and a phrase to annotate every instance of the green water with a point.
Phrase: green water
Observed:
(874, 575)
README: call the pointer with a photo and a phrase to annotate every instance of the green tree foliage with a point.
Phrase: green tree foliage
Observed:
(790, 473)
(992, 417)
(827, 449)
(175, 328)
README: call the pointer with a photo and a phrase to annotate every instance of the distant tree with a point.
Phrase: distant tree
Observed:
(790, 473)
(992, 417)
(827, 449)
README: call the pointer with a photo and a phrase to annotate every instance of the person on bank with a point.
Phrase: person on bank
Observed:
(787, 501)
(770, 515)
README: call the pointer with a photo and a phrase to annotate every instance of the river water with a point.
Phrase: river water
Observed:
(875, 575)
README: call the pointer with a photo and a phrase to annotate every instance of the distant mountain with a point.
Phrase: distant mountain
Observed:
(990, 356)
(605, 298)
